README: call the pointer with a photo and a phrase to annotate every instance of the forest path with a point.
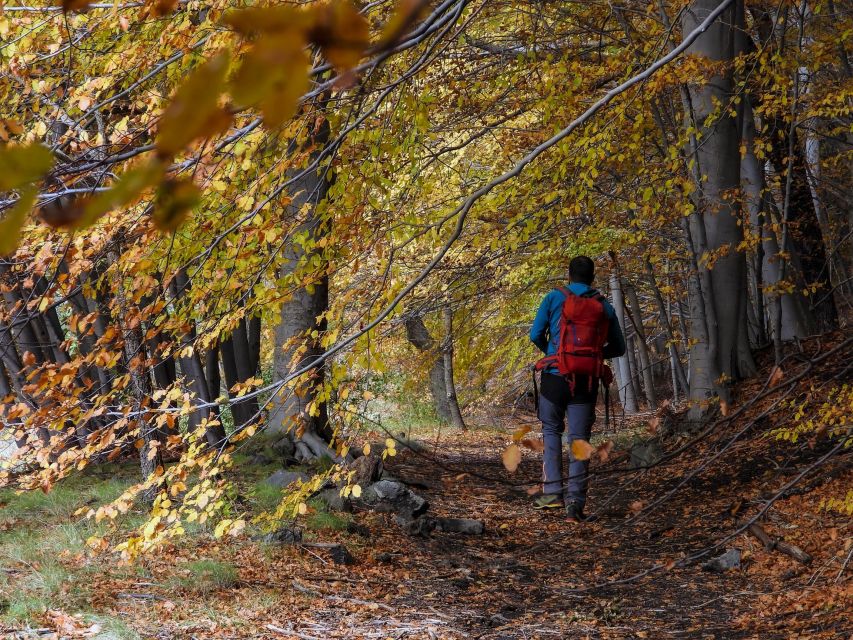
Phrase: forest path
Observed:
(533, 574)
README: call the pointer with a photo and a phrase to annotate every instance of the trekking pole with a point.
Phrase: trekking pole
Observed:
(535, 389)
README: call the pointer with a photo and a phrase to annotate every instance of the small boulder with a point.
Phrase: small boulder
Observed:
(393, 497)
(283, 478)
(729, 560)
(645, 454)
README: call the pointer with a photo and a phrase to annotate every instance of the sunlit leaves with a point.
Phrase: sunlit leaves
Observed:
(194, 111)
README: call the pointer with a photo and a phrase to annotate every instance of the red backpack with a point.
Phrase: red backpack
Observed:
(583, 332)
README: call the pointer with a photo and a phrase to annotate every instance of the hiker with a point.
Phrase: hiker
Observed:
(577, 329)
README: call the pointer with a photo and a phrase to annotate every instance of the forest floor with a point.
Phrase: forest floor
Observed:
(634, 572)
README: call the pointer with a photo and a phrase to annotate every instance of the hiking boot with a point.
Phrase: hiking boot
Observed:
(574, 512)
(549, 501)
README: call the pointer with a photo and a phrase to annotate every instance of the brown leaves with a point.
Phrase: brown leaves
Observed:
(194, 111)
(75, 5)
(511, 457)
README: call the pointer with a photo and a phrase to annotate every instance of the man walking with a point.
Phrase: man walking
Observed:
(577, 329)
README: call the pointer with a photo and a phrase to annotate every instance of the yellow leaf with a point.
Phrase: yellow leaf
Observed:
(303, 508)
(124, 192)
(520, 433)
(511, 457)
(366, 449)
(11, 225)
(22, 164)
(582, 450)
(356, 491)
(341, 32)
(273, 75)
(194, 111)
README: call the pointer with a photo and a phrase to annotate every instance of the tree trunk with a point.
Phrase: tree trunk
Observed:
(192, 371)
(715, 225)
(642, 348)
(302, 315)
(419, 336)
(623, 367)
(449, 384)
(141, 389)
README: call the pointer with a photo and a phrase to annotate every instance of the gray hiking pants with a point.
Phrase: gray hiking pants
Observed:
(581, 418)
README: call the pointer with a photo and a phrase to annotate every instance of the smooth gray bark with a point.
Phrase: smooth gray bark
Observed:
(419, 336)
(622, 372)
(642, 348)
(449, 383)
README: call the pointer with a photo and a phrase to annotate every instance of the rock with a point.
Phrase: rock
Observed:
(384, 557)
(645, 454)
(366, 469)
(729, 560)
(461, 525)
(420, 527)
(283, 478)
(341, 555)
(393, 497)
(285, 535)
(284, 448)
(358, 529)
(334, 500)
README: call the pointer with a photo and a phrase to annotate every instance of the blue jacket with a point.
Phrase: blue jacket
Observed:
(545, 331)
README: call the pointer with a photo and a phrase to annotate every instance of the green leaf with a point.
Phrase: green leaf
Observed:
(22, 164)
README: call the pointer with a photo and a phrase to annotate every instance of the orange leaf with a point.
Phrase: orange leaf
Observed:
(776, 376)
(603, 451)
(519, 433)
(582, 450)
(534, 445)
(511, 457)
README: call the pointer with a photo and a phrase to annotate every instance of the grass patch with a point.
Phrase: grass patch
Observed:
(326, 521)
(209, 575)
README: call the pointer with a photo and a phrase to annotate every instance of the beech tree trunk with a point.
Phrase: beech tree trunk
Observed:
(715, 225)
(622, 370)
(449, 384)
(642, 348)
(301, 315)
(419, 336)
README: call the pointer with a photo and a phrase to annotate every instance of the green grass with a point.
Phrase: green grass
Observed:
(326, 521)
(209, 575)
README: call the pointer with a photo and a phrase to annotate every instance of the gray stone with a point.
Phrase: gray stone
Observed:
(394, 497)
(645, 454)
(729, 560)
(283, 478)
(334, 500)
